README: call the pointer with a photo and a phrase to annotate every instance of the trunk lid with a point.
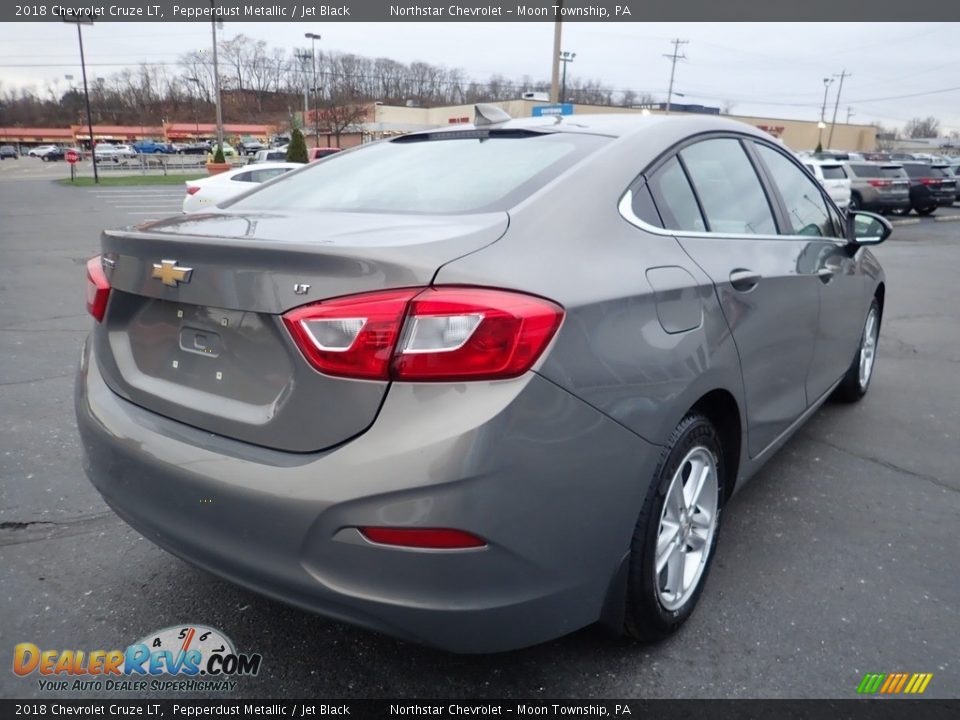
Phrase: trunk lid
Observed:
(202, 341)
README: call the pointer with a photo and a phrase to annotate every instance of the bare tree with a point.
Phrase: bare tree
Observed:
(922, 128)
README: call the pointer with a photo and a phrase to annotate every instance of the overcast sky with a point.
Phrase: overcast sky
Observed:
(768, 69)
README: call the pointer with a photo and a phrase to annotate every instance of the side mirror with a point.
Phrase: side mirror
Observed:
(867, 228)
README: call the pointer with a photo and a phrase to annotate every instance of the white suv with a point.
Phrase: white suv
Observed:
(833, 177)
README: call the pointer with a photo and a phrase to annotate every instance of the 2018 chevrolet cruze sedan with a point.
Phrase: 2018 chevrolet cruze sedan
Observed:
(477, 387)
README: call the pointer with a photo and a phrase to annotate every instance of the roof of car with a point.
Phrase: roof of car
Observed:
(611, 124)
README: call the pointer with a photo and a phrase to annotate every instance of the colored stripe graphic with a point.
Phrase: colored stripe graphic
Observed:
(894, 683)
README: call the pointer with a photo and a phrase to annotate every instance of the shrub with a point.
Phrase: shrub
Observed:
(218, 155)
(297, 150)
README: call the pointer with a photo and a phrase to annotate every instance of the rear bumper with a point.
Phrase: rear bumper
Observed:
(553, 486)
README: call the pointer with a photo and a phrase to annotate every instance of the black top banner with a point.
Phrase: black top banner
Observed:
(478, 11)
(538, 708)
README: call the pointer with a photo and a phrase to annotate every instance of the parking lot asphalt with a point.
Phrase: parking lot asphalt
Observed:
(840, 558)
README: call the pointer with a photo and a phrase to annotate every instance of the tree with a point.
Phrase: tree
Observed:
(218, 155)
(923, 128)
(297, 150)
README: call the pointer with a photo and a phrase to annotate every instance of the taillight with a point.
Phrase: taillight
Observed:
(880, 183)
(193, 189)
(432, 334)
(930, 181)
(98, 288)
(432, 538)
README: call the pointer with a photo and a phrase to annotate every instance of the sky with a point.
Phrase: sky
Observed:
(767, 69)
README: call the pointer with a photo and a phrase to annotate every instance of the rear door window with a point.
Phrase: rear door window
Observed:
(833, 172)
(729, 190)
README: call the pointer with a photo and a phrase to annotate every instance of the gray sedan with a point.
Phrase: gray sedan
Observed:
(479, 387)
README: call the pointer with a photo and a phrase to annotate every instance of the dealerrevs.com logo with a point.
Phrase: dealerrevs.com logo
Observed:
(183, 658)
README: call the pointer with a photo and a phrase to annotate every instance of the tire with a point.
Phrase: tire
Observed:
(44, 158)
(927, 210)
(857, 379)
(855, 202)
(656, 605)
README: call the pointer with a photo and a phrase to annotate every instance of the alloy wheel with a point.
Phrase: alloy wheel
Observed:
(688, 523)
(868, 347)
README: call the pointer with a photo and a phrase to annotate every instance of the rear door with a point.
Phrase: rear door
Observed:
(711, 194)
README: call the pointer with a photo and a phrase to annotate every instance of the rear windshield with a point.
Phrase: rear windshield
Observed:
(832, 172)
(477, 173)
(893, 171)
(922, 171)
(867, 171)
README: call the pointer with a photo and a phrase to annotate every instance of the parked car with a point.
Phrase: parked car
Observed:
(8, 151)
(883, 187)
(276, 155)
(228, 149)
(40, 150)
(930, 187)
(152, 147)
(319, 153)
(108, 151)
(205, 193)
(194, 148)
(53, 154)
(250, 146)
(408, 419)
(832, 176)
(900, 157)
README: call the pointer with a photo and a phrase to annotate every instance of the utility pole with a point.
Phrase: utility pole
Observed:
(555, 66)
(673, 57)
(303, 57)
(836, 105)
(850, 113)
(565, 57)
(216, 80)
(86, 96)
(823, 113)
(313, 37)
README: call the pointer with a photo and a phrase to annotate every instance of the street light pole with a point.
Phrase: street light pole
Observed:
(196, 120)
(86, 97)
(313, 37)
(823, 111)
(565, 57)
(216, 81)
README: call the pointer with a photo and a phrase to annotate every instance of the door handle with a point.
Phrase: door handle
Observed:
(744, 280)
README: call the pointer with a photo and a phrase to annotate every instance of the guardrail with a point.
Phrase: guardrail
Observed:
(160, 163)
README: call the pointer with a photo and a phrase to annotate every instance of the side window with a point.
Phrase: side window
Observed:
(807, 211)
(730, 192)
(644, 208)
(264, 175)
(243, 177)
(675, 199)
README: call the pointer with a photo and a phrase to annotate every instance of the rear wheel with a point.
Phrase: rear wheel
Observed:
(675, 535)
(857, 380)
(855, 202)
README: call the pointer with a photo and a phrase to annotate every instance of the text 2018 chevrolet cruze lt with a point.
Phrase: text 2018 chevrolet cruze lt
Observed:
(477, 387)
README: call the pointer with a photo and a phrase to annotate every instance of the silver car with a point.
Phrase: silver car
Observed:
(479, 387)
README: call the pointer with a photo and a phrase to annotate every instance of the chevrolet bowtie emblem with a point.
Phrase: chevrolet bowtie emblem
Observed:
(170, 274)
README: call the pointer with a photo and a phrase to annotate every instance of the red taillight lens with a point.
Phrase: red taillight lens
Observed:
(432, 334)
(880, 183)
(352, 336)
(473, 334)
(193, 189)
(434, 538)
(98, 288)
